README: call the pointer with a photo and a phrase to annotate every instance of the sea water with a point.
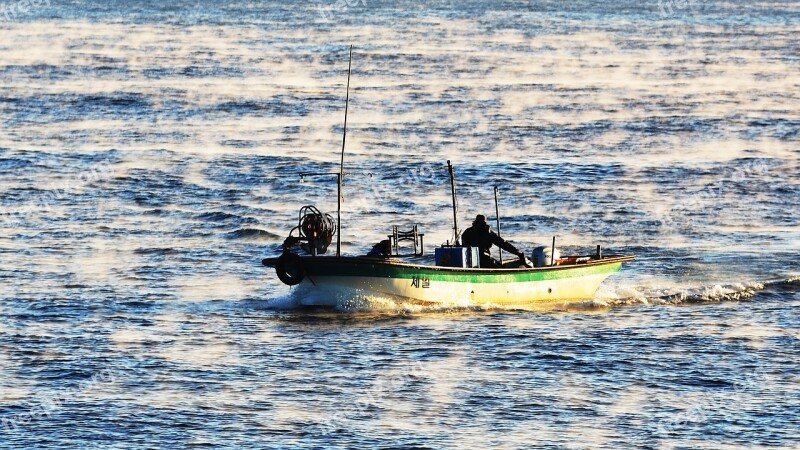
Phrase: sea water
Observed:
(150, 157)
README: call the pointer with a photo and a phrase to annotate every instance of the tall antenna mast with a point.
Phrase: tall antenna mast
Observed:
(341, 162)
(497, 214)
(455, 202)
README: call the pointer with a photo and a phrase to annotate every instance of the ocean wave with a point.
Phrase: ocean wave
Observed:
(253, 234)
(720, 292)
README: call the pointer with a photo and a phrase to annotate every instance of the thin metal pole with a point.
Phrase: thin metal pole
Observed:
(497, 214)
(341, 162)
(339, 216)
(553, 252)
(455, 208)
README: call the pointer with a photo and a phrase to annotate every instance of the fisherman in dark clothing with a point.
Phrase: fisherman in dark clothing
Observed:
(381, 249)
(481, 236)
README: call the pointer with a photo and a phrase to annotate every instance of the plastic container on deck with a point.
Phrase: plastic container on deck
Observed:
(463, 257)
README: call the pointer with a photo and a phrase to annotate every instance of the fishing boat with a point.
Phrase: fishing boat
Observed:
(453, 277)
(570, 281)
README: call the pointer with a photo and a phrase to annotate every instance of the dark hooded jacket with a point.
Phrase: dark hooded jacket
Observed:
(481, 236)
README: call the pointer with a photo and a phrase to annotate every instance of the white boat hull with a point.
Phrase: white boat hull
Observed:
(326, 279)
(456, 293)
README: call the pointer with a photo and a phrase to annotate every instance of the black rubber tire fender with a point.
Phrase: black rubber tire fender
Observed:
(290, 269)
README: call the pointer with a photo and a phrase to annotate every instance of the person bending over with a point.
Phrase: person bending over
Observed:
(382, 249)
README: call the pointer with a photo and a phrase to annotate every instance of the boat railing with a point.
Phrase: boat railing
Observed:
(412, 235)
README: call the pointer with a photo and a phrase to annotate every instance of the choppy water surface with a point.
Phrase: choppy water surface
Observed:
(150, 157)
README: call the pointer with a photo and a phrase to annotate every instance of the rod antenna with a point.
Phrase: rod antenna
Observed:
(341, 161)
(455, 202)
(497, 214)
